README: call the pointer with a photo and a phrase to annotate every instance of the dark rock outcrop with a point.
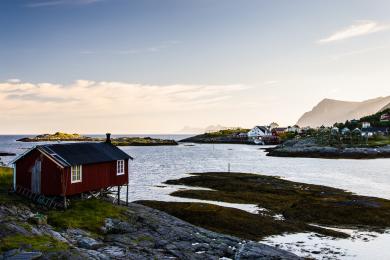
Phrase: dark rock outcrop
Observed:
(146, 233)
(308, 148)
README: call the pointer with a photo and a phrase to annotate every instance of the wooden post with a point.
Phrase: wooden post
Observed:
(119, 193)
(127, 195)
(65, 206)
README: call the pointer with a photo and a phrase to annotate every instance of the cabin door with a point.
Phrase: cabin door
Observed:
(36, 177)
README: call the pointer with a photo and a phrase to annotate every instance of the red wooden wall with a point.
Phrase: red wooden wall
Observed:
(50, 173)
(95, 177)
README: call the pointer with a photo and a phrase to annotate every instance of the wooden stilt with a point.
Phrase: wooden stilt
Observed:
(65, 204)
(119, 195)
(127, 195)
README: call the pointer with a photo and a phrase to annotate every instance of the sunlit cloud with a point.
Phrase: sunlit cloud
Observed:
(63, 104)
(270, 82)
(359, 28)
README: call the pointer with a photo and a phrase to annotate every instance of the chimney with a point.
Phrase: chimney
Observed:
(108, 138)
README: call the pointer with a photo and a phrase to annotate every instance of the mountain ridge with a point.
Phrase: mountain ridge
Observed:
(330, 111)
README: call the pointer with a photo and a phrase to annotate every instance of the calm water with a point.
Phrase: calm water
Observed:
(153, 165)
(156, 164)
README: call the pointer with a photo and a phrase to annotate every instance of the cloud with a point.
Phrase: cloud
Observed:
(358, 52)
(270, 82)
(62, 2)
(98, 105)
(359, 28)
(14, 81)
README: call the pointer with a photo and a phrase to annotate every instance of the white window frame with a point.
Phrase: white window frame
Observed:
(76, 170)
(120, 167)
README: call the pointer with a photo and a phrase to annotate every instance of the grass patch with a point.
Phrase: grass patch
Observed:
(294, 200)
(6, 177)
(6, 180)
(141, 141)
(233, 221)
(40, 243)
(300, 204)
(227, 132)
(85, 214)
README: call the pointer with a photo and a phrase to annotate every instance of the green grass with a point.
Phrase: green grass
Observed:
(6, 179)
(141, 141)
(227, 132)
(43, 243)
(60, 135)
(85, 214)
(233, 221)
(379, 141)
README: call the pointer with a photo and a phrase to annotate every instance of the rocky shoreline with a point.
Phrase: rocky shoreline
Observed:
(140, 233)
(7, 154)
(309, 149)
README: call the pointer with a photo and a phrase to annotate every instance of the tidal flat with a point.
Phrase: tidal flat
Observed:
(289, 207)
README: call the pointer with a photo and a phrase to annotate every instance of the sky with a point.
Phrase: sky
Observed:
(156, 66)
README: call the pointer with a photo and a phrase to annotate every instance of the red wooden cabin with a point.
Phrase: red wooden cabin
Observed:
(71, 168)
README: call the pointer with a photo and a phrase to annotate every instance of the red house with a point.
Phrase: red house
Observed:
(71, 168)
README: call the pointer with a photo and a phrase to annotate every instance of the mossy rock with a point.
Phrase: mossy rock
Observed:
(43, 243)
(300, 204)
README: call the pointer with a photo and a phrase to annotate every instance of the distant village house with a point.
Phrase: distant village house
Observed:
(385, 117)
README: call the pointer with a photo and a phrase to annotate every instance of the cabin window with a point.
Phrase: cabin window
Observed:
(76, 175)
(120, 167)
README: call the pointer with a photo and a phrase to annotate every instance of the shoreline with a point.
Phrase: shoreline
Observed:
(307, 148)
(118, 141)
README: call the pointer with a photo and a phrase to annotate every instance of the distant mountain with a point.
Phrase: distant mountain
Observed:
(198, 130)
(330, 111)
(385, 107)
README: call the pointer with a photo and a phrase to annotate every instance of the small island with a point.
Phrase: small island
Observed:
(58, 136)
(118, 141)
(226, 136)
(141, 141)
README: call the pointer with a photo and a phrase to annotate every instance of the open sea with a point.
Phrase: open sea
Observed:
(152, 165)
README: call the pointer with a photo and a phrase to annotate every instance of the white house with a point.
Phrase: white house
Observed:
(259, 131)
(366, 124)
(273, 125)
(345, 131)
(294, 129)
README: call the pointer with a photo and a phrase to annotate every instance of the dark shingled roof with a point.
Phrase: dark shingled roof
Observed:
(83, 153)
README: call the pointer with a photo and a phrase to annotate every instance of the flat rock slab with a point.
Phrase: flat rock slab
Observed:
(21, 255)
